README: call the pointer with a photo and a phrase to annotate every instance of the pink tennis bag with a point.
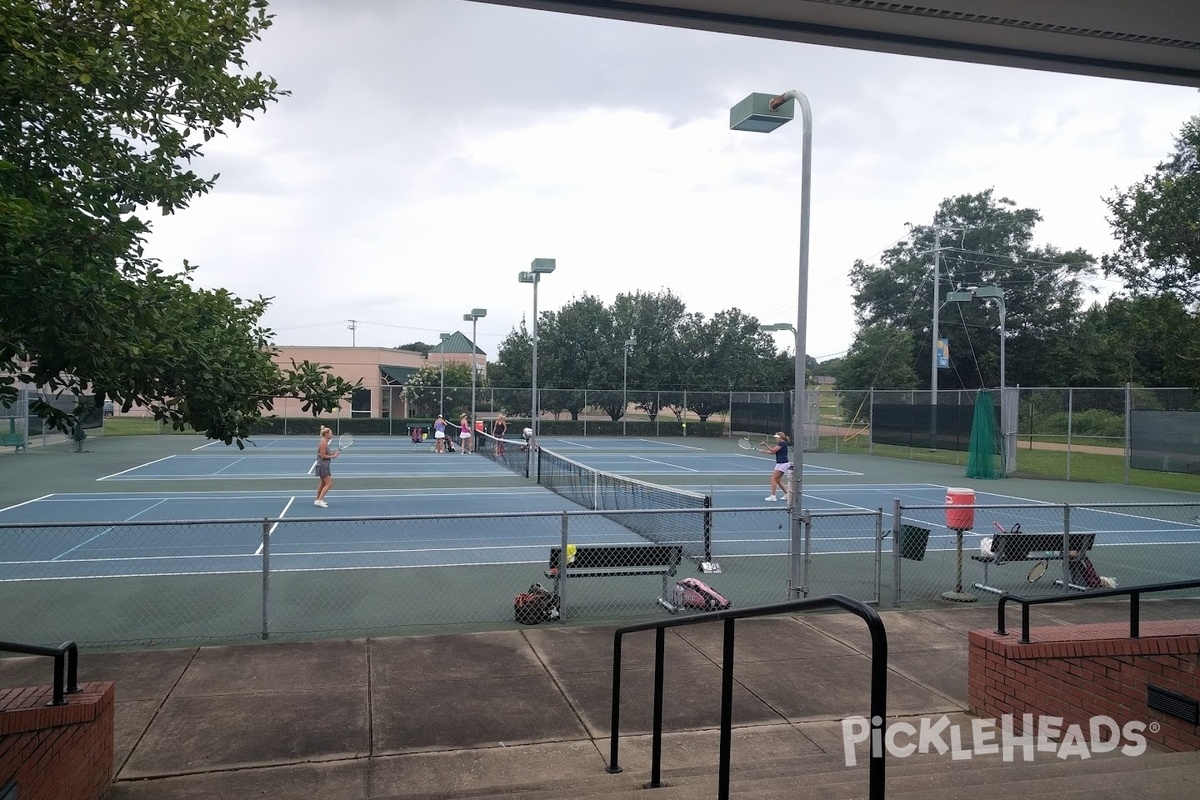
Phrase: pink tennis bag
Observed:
(694, 594)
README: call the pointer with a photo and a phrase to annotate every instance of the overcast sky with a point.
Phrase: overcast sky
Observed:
(432, 148)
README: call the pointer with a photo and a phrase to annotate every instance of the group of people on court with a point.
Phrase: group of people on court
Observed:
(465, 436)
(499, 429)
(325, 455)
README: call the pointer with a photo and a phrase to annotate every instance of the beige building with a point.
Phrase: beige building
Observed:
(383, 372)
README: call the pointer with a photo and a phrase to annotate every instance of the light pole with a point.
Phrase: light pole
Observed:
(442, 386)
(474, 317)
(997, 294)
(763, 113)
(537, 268)
(630, 343)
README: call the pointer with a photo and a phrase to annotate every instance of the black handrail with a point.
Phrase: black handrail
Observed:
(66, 665)
(878, 681)
(1134, 593)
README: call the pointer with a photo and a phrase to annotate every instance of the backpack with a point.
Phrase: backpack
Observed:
(694, 594)
(539, 604)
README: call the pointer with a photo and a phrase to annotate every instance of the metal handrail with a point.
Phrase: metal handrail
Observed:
(66, 665)
(1134, 593)
(729, 616)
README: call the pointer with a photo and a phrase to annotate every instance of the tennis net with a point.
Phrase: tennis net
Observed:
(607, 491)
(510, 453)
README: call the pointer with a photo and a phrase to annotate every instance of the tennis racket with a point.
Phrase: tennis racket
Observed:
(344, 441)
(746, 444)
(1039, 569)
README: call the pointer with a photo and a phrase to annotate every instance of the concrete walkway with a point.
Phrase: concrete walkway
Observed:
(482, 713)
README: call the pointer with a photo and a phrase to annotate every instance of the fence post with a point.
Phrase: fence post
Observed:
(896, 522)
(562, 570)
(1128, 442)
(266, 578)
(878, 555)
(1070, 421)
(871, 422)
(1066, 549)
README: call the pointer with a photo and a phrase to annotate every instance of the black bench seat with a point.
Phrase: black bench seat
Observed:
(1015, 545)
(619, 560)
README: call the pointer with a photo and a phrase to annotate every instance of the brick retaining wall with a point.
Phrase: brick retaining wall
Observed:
(57, 752)
(1081, 671)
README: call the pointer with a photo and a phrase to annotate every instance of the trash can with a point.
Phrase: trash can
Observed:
(960, 516)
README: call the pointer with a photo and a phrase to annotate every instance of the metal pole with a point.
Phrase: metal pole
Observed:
(474, 349)
(933, 360)
(625, 389)
(534, 405)
(442, 387)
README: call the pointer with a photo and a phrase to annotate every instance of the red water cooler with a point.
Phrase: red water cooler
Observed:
(960, 516)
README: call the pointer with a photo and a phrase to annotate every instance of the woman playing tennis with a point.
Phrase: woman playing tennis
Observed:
(324, 474)
(464, 433)
(782, 464)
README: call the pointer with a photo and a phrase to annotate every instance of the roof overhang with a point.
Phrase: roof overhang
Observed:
(1156, 41)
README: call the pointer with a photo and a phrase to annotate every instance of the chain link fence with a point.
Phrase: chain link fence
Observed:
(188, 581)
(160, 582)
(1019, 549)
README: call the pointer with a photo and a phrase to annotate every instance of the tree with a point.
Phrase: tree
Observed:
(417, 347)
(653, 319)
(424, 390)
(878, 358)
(575, 350)
(512, 371)
(718, 354)
(102, 108)
(985, 241)
(1157, 225)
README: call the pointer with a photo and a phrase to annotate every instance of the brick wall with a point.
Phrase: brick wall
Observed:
(1080, 671)
(57, 752)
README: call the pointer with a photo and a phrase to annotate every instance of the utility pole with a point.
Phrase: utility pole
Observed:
(353, 326)
(933, 360)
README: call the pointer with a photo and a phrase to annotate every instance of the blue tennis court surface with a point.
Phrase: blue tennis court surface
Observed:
(141, 533)
(383, 457)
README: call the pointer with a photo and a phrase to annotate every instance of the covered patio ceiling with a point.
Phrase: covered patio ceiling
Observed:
(1157, 41)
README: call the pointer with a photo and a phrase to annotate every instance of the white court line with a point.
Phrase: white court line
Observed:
(663, 463)
(672, 444)
(106, 530)
(271, 531)
(131, 469)
(27, 502)
(230, 465)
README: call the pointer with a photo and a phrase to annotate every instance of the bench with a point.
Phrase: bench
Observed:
(12, 437)
(620, 560)
(1011, 546)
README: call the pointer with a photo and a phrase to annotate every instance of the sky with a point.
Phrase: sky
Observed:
(431, 149)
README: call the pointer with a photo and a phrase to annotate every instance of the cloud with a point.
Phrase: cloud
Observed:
(431, 149)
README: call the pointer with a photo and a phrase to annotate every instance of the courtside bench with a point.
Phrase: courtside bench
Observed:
(1012, 546)
(620, 560)
(11, 437)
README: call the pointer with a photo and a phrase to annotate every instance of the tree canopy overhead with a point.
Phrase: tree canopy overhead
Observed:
(103, 108)
(979, 240)
(1157, 225)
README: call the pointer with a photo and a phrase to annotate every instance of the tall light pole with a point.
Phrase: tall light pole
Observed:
(997, 294)
(630, 343)
(537, 268)
(442, 388)
(474, 317)
(763, 113)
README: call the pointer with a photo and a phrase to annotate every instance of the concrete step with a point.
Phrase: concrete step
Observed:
(821, 777)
